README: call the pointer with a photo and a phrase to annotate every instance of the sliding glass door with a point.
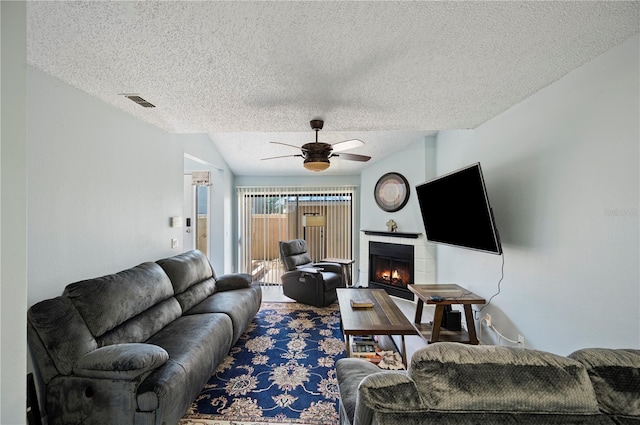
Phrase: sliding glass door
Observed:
(322, 216)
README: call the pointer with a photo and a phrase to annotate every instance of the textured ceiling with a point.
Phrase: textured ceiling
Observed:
(237, 70)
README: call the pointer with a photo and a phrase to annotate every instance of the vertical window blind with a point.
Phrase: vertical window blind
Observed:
(322, 216)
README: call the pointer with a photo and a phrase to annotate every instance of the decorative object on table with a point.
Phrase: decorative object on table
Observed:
(392, 226)
(365, 347)
(281, 370)
(364, 303)
(391, 192)
(390, 360)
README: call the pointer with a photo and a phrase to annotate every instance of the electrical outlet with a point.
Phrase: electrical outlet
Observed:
(174, 243)
(487, 319)
(521, 341)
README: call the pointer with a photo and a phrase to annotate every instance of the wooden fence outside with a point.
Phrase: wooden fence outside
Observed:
(266, 231)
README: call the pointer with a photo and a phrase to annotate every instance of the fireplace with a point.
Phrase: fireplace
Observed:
(391, 267)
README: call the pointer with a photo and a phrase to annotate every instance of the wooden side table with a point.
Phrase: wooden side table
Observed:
(451, 294)
(345, 264)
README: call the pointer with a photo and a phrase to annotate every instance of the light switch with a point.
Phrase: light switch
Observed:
(174, 243)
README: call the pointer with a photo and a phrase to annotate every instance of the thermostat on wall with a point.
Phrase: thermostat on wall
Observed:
(176, 221)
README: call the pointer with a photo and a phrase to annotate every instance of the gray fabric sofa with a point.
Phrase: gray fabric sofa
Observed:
(457, 384)
(138, 346)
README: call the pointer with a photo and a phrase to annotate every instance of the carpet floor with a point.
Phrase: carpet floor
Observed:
(281, 371)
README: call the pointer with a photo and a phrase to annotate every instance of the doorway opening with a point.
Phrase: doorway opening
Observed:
(196, 212)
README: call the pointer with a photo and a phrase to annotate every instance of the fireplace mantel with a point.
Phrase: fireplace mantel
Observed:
(392, 234)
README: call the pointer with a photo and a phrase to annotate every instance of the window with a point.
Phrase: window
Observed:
(323, 216)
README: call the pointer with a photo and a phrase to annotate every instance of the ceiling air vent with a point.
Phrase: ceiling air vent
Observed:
(140, 101)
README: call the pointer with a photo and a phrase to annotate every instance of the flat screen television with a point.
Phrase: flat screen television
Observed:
(456, 211)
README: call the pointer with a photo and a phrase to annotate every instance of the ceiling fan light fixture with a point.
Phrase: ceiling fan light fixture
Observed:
(316, 154)
(316, 165)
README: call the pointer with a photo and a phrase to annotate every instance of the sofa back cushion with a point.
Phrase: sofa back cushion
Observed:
(108, 301)
(615, 375)
(457, 377)
(192, 277)
(143, 326)
(294, 254)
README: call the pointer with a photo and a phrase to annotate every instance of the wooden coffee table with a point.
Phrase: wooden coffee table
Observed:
(384, 318)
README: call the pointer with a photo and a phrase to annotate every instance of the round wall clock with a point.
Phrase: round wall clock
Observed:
(391, 192)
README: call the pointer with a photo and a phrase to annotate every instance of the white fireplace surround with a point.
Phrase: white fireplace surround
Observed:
(424, 257)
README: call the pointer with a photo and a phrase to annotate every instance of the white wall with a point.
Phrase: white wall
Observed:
(562, 173)
(102, 186)
(13, 209)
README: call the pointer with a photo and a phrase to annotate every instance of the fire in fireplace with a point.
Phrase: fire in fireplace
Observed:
(391, 267)
(392, 272)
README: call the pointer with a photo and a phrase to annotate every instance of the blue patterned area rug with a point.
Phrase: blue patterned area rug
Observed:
(281, 371)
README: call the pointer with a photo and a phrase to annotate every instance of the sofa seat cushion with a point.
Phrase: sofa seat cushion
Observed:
(458, 377)
(196, 344)
(120, 361)
(615, 375)
(240, 305)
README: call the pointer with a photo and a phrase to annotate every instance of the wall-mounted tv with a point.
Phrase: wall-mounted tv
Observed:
(456, 211)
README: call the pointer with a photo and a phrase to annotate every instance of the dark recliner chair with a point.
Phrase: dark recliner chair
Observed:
(305, 281)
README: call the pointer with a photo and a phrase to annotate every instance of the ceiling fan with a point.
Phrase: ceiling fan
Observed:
(316, 154)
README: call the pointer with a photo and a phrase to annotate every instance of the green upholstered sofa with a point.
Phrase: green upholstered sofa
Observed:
(457, 384)
(138, 346)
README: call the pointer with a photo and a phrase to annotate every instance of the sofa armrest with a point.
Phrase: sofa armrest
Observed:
(365, 388)
(329, 267)
(350, 372)
(120, 361)
(389, 391)
(227, 282)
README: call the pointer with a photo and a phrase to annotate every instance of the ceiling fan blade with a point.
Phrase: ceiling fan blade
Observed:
(283, 156)
(285, 144)
(346, 145)
(353, 157)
